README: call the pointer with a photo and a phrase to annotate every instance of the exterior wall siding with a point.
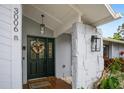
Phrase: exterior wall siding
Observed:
(110, 50)
(10, 65)
(116, 48)
(5, 47)
(63, 55)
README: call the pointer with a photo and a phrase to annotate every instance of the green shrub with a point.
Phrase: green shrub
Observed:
(110, 83)
(114, 78)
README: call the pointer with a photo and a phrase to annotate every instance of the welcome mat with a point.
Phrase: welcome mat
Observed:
(48, 83)
(39, 83)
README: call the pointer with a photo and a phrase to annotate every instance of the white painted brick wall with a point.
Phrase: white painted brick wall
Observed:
(87, 66)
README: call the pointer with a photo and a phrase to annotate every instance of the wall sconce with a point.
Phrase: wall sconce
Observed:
(95, 43)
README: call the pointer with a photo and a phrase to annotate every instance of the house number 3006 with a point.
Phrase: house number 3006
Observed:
(16, 19)
(15, 22)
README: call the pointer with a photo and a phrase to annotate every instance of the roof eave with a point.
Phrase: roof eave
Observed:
(112, 12)
(113, 40)
(113, 16)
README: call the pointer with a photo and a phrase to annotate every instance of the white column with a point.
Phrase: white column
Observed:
(87, 66)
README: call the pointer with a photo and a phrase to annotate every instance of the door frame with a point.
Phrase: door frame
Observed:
(53, 51)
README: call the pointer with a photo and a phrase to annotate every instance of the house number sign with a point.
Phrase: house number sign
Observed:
(15, 22)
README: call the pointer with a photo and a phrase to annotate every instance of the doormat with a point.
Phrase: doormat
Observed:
(39, 83)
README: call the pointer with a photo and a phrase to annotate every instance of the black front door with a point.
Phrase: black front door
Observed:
(40, 57)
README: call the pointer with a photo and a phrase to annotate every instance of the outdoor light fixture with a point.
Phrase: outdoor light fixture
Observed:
(95, 43)
(42, 26)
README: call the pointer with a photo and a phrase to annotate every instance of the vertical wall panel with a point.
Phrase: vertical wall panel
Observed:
(63, 55)
(16, 46)
(5, 48)
(10, 49)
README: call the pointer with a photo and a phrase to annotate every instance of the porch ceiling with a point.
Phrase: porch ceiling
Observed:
(60, 17)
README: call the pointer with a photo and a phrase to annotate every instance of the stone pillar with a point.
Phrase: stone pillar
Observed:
(87, 66)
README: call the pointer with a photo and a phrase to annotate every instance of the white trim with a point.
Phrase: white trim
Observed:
(112, 12)
(113, 40)
(113, 16)
(17, 49)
